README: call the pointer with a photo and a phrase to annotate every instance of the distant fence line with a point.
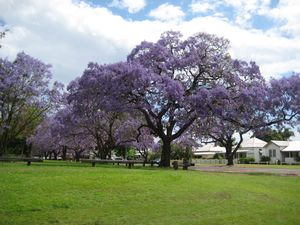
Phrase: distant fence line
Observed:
(212, 161)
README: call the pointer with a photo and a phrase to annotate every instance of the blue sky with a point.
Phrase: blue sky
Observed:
(257, 21)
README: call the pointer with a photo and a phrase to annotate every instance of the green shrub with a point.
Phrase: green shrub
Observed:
(246, 160)
(265, 159)
(217, 156)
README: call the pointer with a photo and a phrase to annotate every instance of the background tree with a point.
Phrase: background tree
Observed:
(251, 104)
(25, 97)
(109, 129)
(43, 142)
(283, 134)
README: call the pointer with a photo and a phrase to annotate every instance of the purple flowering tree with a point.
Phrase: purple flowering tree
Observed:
(43, 142)
(25, 97)
(162, 81)
(255, 105)
(108, 128)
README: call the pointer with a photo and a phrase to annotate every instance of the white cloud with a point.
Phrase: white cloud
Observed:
(288, 14)
(202, 6)
(68, 35)
(132, 6)
(245, 9)
(167, 12)
(274, 54)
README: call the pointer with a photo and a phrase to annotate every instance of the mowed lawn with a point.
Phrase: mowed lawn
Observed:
(69, 193)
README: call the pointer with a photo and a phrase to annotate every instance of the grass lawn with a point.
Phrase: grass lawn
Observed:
(69, 193)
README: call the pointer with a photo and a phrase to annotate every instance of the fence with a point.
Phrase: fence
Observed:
(212, 161)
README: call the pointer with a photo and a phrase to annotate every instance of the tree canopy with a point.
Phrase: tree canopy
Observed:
(177, 89)
(25, 97)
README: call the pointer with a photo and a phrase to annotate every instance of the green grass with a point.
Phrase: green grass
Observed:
(69, 193)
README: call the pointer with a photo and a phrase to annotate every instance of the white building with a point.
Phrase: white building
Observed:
(209, 150)
(291, 153)
(274, 150)
(252, 148)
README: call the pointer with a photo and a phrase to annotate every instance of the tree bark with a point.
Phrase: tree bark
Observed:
(229, 154)
(230, 160)
(64, 152)
(77, 156)
(55, 154)
(166, 153)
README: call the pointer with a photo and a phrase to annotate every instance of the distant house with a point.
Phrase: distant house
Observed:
(273, 149)
(208, 150)
(291, 153)
(279, 151)
(252, 148)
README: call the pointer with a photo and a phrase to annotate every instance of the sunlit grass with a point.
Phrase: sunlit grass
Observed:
(74, 193)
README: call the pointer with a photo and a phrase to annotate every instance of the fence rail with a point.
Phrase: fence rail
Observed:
(212, 161)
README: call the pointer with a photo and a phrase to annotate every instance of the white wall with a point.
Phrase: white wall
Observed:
(278, 156)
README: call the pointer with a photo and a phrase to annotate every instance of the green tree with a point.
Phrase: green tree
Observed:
(283, 134)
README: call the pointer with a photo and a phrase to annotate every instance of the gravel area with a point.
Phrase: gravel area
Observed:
(233, 169)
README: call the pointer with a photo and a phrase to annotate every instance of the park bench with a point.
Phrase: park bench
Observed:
(28, 160)
(129, 163)
(184, 165)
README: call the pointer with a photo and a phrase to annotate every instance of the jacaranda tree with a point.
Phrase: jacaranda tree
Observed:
(25, 97)
(109, 129)
(174, 82)
(255, 105)
(163, 81)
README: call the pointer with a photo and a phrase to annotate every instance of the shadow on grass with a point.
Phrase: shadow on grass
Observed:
(88, 165)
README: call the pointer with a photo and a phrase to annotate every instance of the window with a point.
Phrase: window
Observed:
(272, 152)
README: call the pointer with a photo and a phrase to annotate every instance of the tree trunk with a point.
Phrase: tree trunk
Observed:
(230, 160)
(55, 154)
(103, 154)
(229, 155)
(165, 154)
(28, 150)
(77, 156)
(64, 152)
(3, 143)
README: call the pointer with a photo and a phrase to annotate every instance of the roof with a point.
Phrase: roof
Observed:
(280, 143)
(211, 147)
(204, 153)
(242, 150)
(294, 146)
(253, 143)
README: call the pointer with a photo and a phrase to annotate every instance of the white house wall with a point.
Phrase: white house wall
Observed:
(272, 146)
(254, 153)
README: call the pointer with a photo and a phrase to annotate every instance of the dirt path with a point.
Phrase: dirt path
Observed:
(233, 169)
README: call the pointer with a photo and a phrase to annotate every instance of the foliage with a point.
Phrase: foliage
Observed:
(246, 160)
(25, 97)
(178, 89)
(170, 83)
(217, 156)
(131, 153)
(265, 159)
(282, 134)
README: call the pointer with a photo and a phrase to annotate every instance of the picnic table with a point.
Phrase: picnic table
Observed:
(129, 163)
(16, 159)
